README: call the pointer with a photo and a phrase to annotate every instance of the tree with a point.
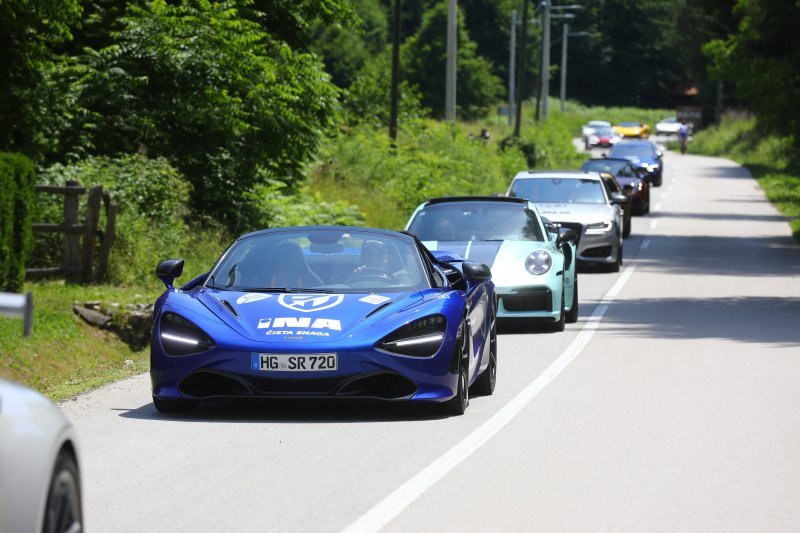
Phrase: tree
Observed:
(763, 62)
(29, 32)
(423, 59)
(204, 86)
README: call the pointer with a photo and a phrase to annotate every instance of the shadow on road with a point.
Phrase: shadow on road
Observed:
(748, 319)
(292, 411)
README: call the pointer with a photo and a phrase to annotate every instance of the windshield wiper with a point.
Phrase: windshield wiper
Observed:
(289, 289)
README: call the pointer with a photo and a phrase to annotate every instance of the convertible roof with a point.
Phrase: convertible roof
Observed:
(506, 199)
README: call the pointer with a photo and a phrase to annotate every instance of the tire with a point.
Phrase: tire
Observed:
(560, 324)
(457, 405)
(174, 406)
(64, 510)
(615, 266)
(626, 225)
(572, 314)
(659, 179)
(485, 384)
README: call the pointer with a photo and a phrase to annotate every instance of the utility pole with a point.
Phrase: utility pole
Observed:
(511, 67)
(395, 72)
(450, 74)
(545, 90)
(564, 36)
(521, 68)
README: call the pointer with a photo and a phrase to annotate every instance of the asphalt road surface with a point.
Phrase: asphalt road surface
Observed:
(672, 405)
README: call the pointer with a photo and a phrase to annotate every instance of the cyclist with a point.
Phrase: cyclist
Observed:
(683, 135)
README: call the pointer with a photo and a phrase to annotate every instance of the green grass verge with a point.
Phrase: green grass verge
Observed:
(65, 356)
(772, 161)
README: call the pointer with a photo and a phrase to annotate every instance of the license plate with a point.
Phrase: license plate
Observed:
(290, 362)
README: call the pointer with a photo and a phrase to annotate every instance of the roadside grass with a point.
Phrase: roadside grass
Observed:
(772, 161)
(65, 356)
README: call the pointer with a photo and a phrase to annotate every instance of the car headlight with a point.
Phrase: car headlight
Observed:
(538, 262)
(180, 336)
(420, 338)
(593, 139)
(599, 228)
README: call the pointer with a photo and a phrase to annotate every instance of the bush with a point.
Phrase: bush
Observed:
(151, 224)
(305, 208)
(17, 178)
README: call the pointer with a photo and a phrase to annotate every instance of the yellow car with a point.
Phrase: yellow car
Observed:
(632, 129)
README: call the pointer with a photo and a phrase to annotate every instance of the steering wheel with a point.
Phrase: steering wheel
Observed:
(369, 274)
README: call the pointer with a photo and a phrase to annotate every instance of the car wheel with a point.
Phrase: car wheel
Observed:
(64, 510)
(174, 406)
(659, 179)
(560, 324)
(457, 405)
(572, 314)
(626, 225)
(486, 382)
(615, 266)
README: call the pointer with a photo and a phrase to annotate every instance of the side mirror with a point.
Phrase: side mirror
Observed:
(168, 270)
(659, 153)
(476, 271)
(618, 199)
(566, 235)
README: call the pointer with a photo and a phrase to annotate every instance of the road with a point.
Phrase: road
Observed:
(672, 405)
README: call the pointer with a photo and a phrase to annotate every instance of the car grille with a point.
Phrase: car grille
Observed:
(599, 251)
(215, 384)
(537, 299)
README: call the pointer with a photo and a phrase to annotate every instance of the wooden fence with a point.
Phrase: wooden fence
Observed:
(79, 255)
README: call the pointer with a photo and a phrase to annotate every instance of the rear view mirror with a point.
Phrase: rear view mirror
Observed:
(566, 235)
(168, 270)
(476, 271)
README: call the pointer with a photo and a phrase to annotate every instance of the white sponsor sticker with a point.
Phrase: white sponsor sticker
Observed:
(247, 298)
(300, 322)
(375, 299)
(307, 303)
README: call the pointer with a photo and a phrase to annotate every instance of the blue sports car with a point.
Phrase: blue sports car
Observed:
(325, 312)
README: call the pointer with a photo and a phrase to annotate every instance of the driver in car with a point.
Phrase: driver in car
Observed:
(374, 258)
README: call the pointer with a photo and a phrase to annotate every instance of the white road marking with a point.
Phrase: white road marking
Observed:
(645, 244)
(670, 187)
(663, 195)
(653, 224)
(403, 496)
(657, 207)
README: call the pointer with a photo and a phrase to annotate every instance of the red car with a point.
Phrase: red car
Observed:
(628, 176)
(602, 137)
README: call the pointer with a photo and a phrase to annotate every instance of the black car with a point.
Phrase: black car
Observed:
(645, 155)
(631, 179)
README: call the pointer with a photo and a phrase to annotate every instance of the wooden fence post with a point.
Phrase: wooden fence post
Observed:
(72, 259)
(89, 232)
(109, 236)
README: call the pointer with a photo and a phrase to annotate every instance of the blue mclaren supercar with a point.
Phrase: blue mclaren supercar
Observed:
(326, 312)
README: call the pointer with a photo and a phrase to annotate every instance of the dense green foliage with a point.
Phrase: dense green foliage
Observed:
(772, 160)
(17, 178)
(762, 59)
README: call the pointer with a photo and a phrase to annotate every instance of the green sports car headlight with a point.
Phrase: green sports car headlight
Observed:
(538, 262)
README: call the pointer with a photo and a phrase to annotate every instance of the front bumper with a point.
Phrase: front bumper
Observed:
(225, 373)
(543, 301)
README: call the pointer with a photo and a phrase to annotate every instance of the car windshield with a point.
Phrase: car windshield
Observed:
(476, 221)
(605, 131)
(559, 190)
(329, 259)
(630, 124)
(625, 149)
(604, 165)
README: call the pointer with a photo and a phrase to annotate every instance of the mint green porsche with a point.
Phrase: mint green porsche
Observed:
(532, 261)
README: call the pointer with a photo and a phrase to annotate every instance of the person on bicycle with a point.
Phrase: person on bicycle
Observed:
(683, 135)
